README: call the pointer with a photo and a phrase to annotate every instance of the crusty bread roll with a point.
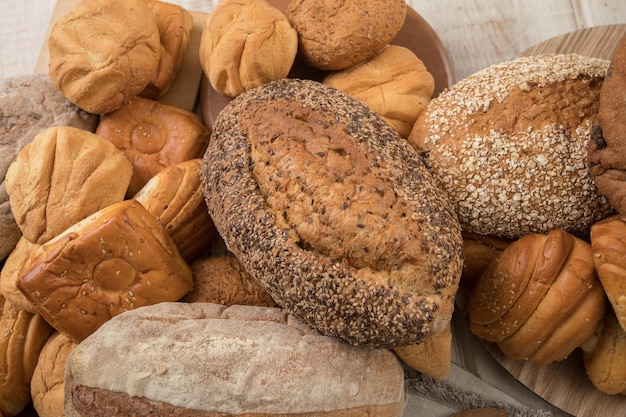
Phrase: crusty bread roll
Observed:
(104, 52)
(115, 260)
(29, 103)
(604, 356)
(244, 44)
(174, 197)
(431, 357)
(608, 242)
(174, 23)
(394, 83)
(22, 337)
(223, 280)
(64, 175)
(153, 136)
(539, 299)
(9, 274)
(478, 253)
(253, 361)
(333, 213)
(509, 145)
(336, 35)
(607, 147)
(47, 385)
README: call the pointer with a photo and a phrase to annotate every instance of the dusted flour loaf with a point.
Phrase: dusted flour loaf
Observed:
(254, 361)
(331, 211)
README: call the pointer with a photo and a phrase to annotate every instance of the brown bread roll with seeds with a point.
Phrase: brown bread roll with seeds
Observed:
(333, 213)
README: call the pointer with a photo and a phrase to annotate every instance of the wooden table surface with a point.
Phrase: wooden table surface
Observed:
(474, 33)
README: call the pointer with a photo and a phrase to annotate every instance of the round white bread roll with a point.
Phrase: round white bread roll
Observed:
(209, 360)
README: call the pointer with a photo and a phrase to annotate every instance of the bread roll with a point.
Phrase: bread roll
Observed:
(337, 35)
(29, 103)
(253, 361)
(64, 175)
(394, 83)
(509, 146)
(331, 211)
(431, 357)
(118, 259)
(9, 274)
(478, 253)
(174, 24)
(608, 242)
(244, 44)
(47, 385)
(174, 197)
(539, 299)
(104, 52)
(223, 280)
(153, 136)
(23, 336)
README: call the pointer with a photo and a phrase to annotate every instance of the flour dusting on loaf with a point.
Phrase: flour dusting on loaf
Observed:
(333, 213)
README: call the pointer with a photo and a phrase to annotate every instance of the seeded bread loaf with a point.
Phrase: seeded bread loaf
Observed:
(333, 213)
(509, 145)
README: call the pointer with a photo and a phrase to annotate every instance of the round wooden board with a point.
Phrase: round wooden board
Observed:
(416, 35)
(565, 384)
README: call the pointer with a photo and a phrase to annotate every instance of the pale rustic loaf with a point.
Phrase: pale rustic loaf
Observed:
(207, 360)
(509, 145)
(333, 213)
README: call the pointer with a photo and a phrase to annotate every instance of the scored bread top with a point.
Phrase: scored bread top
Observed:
(333, 213)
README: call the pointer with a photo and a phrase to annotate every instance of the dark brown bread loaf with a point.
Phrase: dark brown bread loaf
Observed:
(329, 209)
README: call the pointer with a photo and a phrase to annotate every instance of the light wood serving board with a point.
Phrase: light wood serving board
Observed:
(565, 384)
(184, 91)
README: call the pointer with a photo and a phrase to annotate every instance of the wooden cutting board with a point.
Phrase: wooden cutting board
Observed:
(184, 91)
(565, 384)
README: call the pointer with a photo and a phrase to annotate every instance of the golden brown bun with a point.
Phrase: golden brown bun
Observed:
(104, 52)
(174, 24)
(23, 336)
(153, 136)
(174, 197)
(539, 299)
(478, 252)
(9, 274)
(513, 158)
(432, 357)
(254, 361)
(604, 356)
(608, 242)
(223, 280)
(244, 44)
(607, 147)
(47, 385)
(118, 259)
(333, 213)
(337, 35)
(64, 175)
(394, 83)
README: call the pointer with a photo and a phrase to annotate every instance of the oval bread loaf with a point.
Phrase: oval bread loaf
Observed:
(331, 211)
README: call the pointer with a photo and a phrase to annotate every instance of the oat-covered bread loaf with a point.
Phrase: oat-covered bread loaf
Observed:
(115, 260)
(47, 386)
(254, 361)
(333, 213)
(539, 299)
(607, 147)
(608, 242)
(223, 280)
(29, 103)
(174, 196)
(244, 44)
(62, 176)
(394, 83)
(175, 24)
(104, 52)
(336, 35)
(22, 337)
(509, 145)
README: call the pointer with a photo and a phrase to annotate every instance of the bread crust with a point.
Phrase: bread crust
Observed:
(333, 213)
